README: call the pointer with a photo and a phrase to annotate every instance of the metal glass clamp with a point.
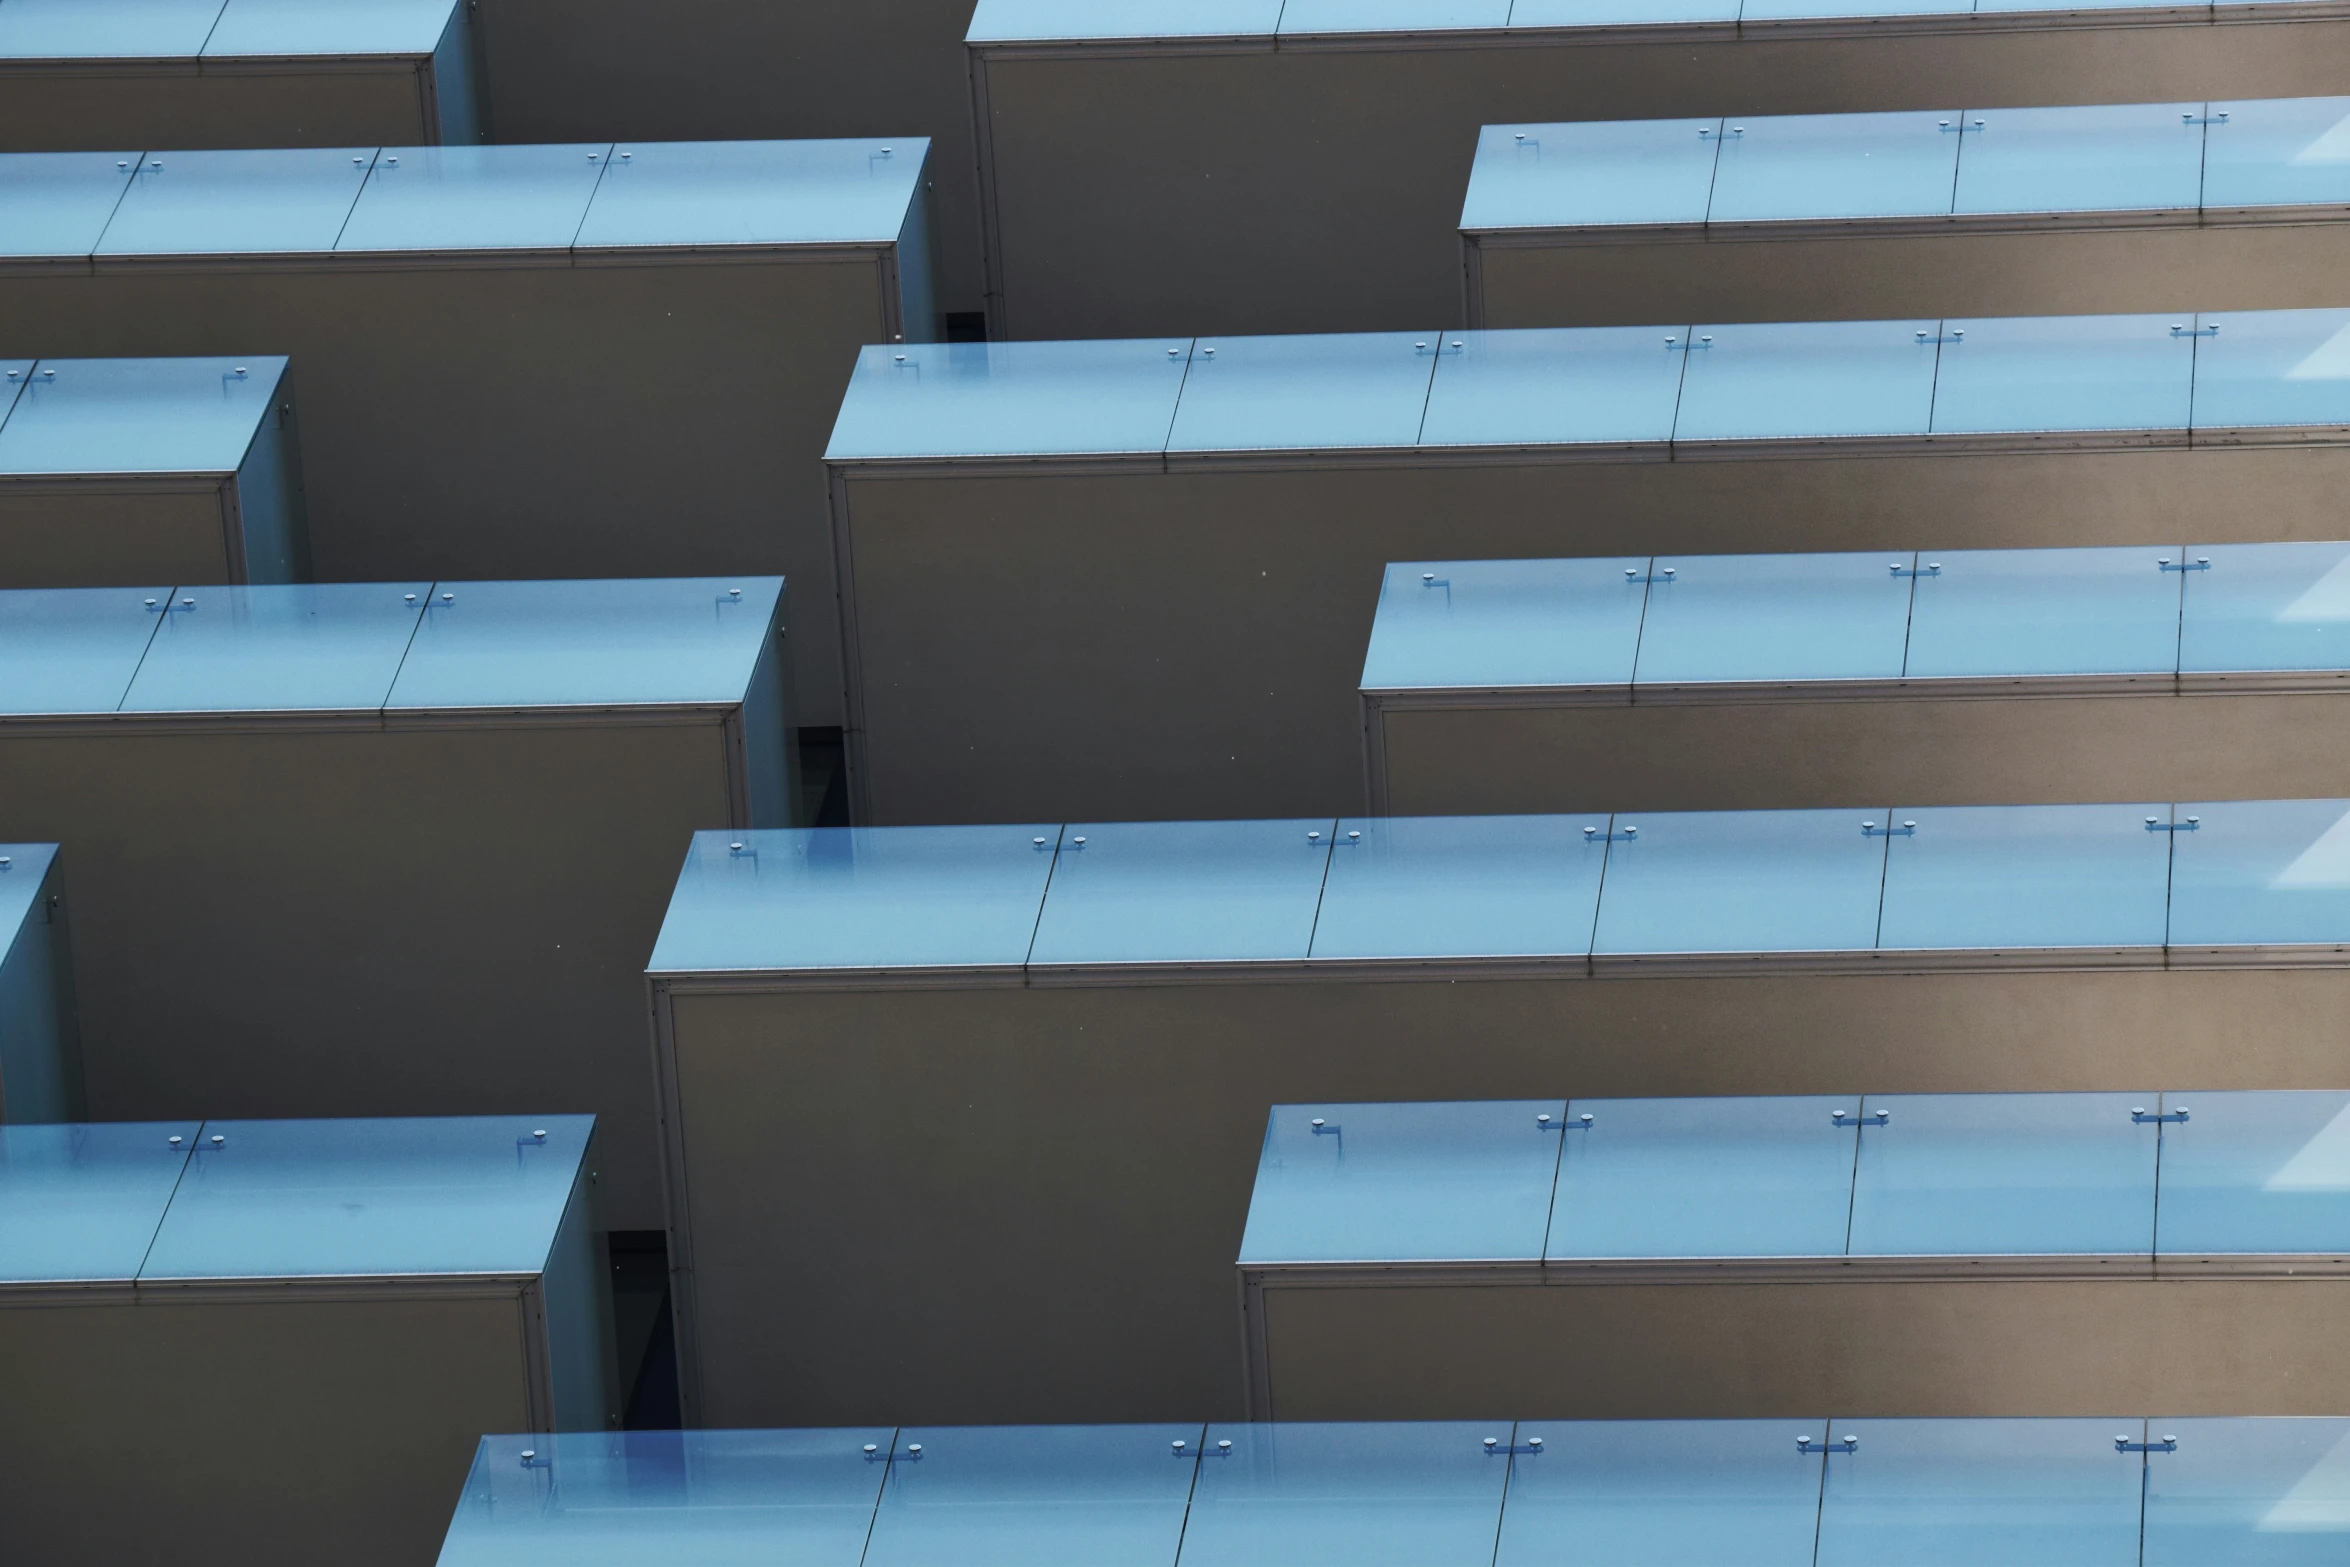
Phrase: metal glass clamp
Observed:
(1706, 341)
(2220, 118)
(1581, 1123)
(1905, 830)
(2146, 1117)
(2167, 1444)
(1429, 579)
(874, 1454)
(1705, 132)
(1324, 1129)
(2181, 329)
(1932, 568)
(2199, 563)
(1594, 835)
(1495, 1447)
(1876, 1117)
(1452, 347)
(2157, 824)
(1825, 1445)
(1925, 338)
(1665, 575)
(532, 1460)
(1220, 1450)
(1961, 128)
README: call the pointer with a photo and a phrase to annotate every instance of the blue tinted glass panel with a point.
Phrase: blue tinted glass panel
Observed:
(237, 203)
(139, 415)
(114, 29)
(1016, 20)
(1013, 1496)
(1784, 10)
(2272, 367)
(857, 897)
(57, 203)
(1460, 886)
(2248, 1493)
(1405, 1182)
(1589, 173)
(588, 643)
(1959, 1493)
(474, 198)
(2261, 1173)
(1495, 623)
(2113, 156)
(1340, 389)
(73, 650)
(305, 1199)
(2036, 373)
(712, 1498)
(281, 27)
(82, 1202)
(2277, 152)
(1618, 13)
(22, 867)
(1784, 168)
(1974, 1175)
(293, 646)
(2260, 606)
(1660, 1493)
(1774, 617)
(1387, 16)
(1741, 881)
(2016, 877)
(2046, 612)
(1704, 1178)
(1370, 1495)
(1807, 378)
(754, 193)
(2261, 873)
(1010, 399)
(1556, 387)
(1172, 892)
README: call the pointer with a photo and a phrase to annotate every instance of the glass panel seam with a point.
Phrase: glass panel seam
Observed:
(1428, 390)
(1550, 1214)
(2161, 1107)
(1713, 173)
(1599, 895)
(1639, 630)
(1322, 887)
(16, 394)
(1183, 383)
(1037, 924)
(1510, 1464)
(2194, 363)
(1957, 163)
(214, 28)
(415, 631)
(1820, 1501)
(1852, 1194)
(364, 181)
(145, 648)
(1680, 385)
(1199, 1457)
(1909, 620)
(2170, 876)
(187, 1158)
(873, 1518)
(122, 193)
(604, 162)
(1934, 382)
(2179, 631)
(1885, 861)
(2202, 179)
(414, 627)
